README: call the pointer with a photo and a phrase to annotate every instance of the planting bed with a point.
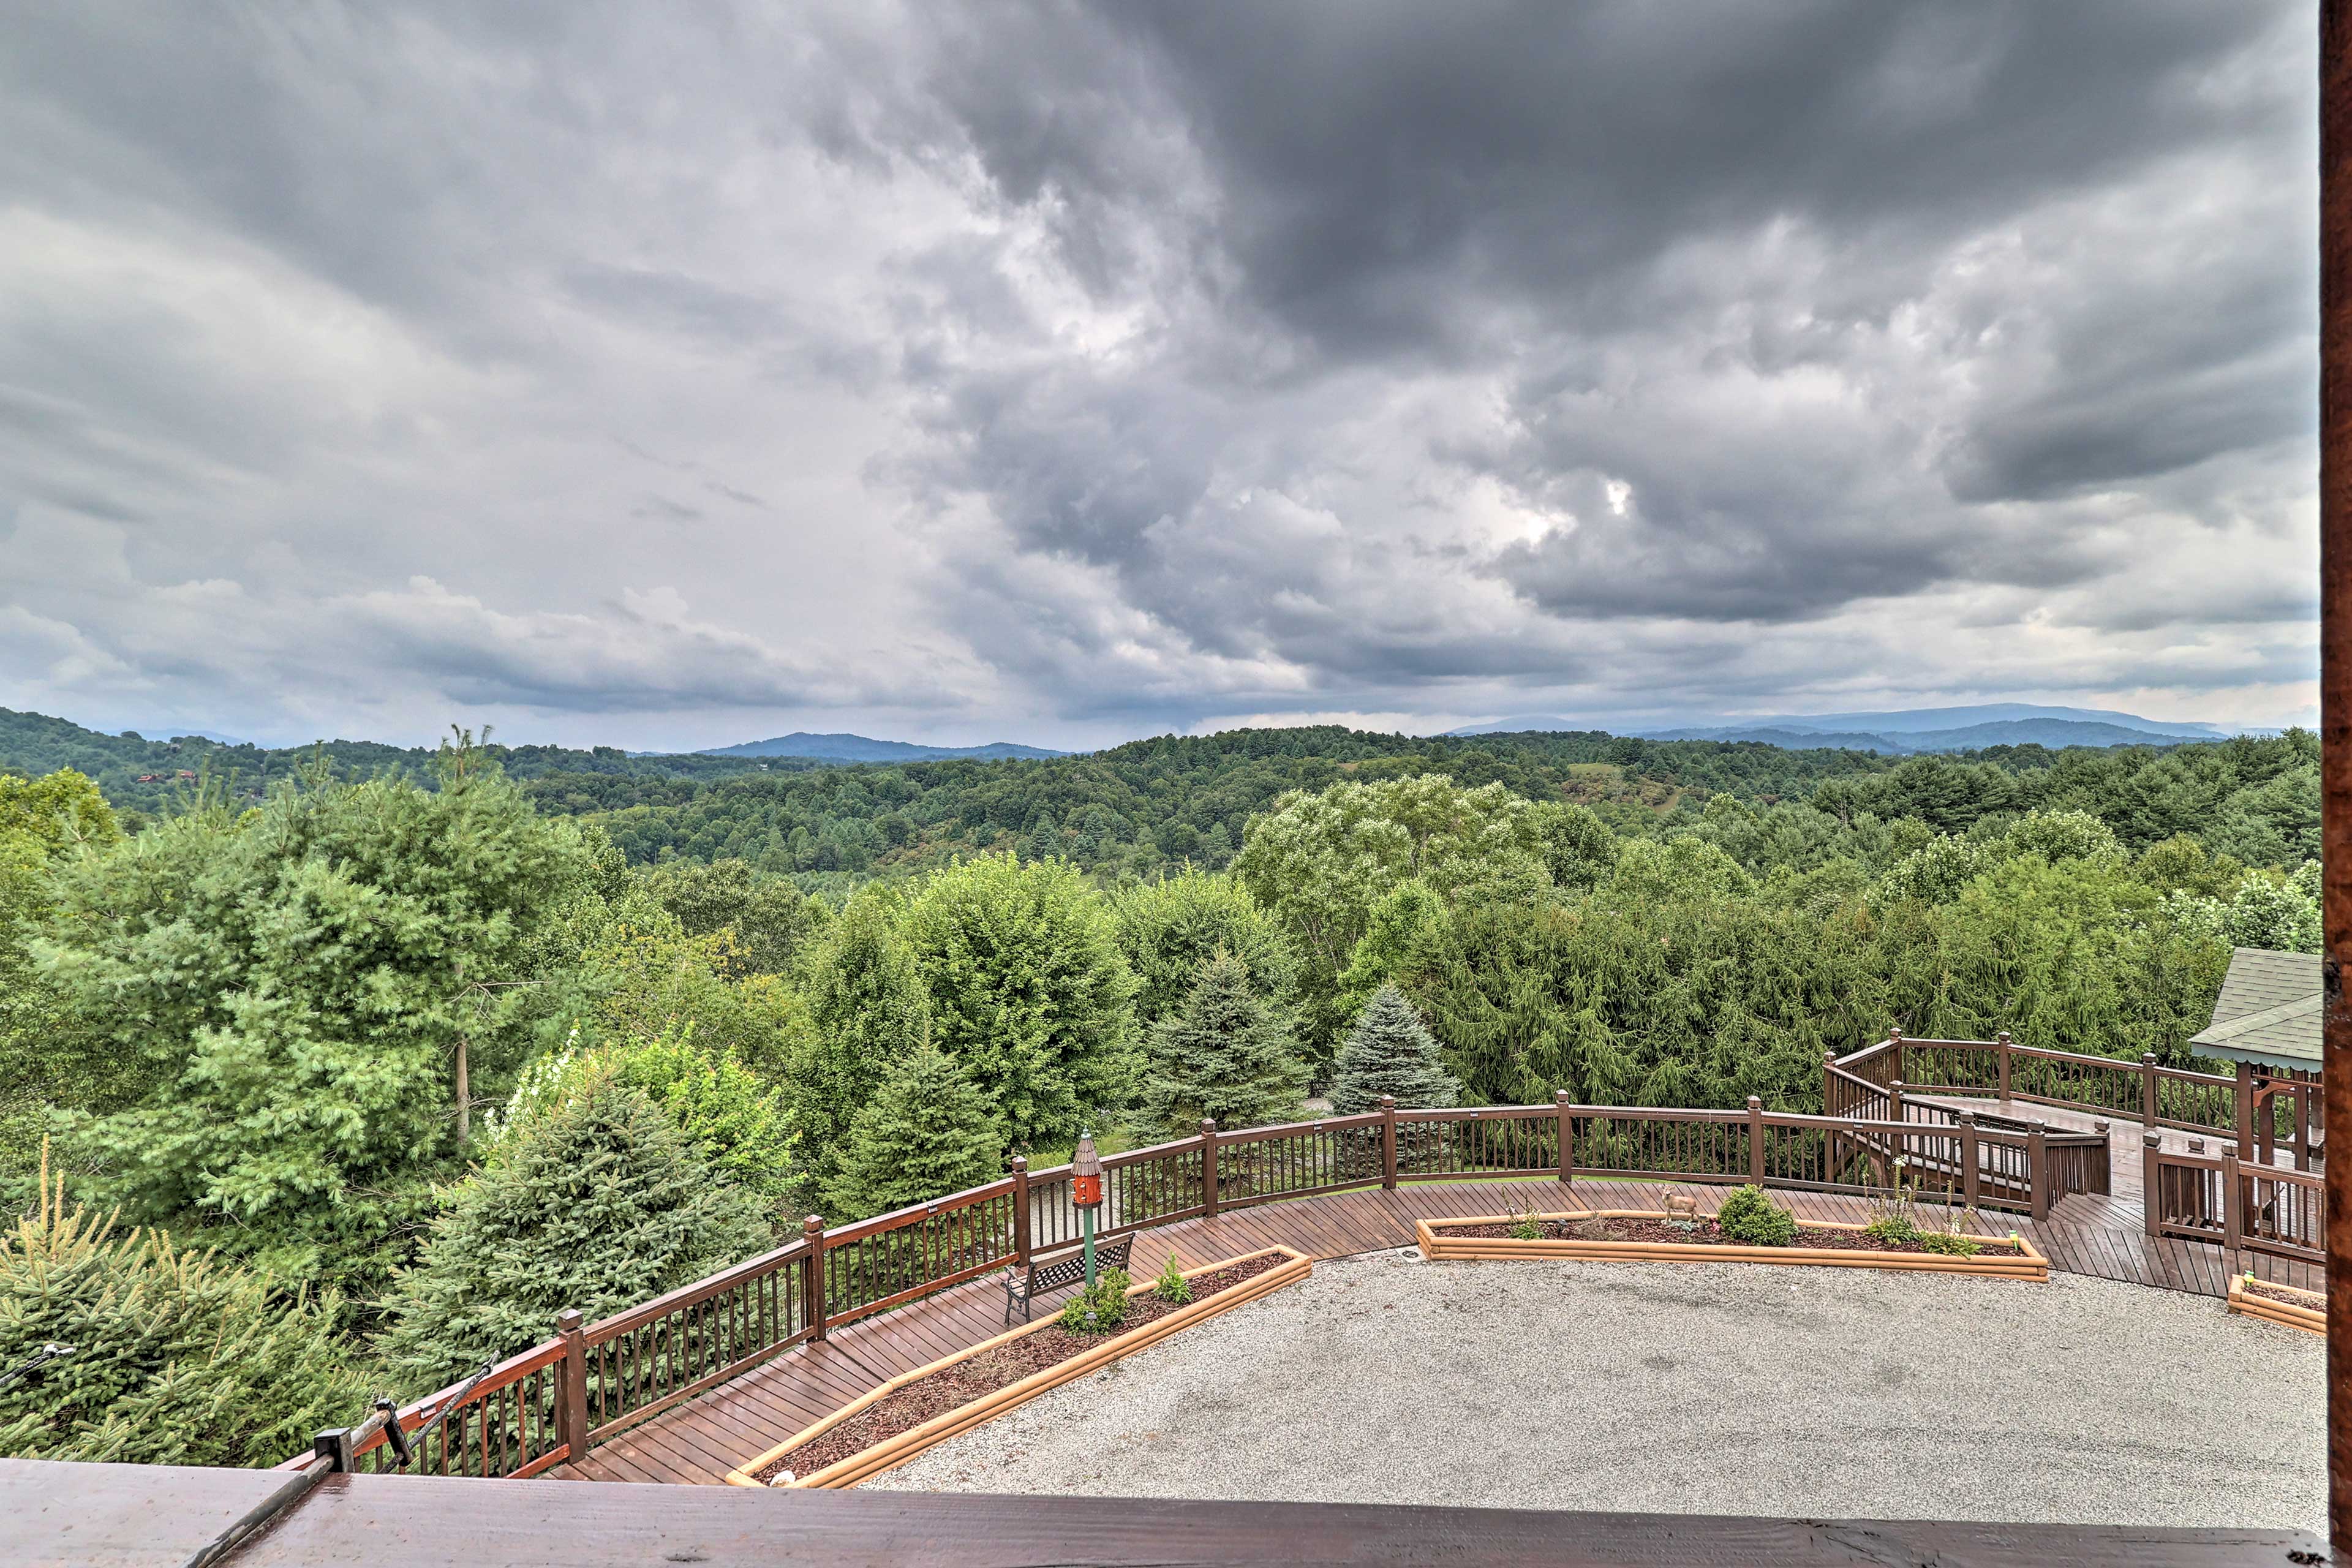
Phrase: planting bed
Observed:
(1632, 1235)
(909, 1413)
(2304, 1310)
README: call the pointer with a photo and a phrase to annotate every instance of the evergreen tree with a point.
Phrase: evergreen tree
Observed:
(868, 1011)
(1225, 1055)
(1028, 991)
(596, 1201)
(1391, 1053)
(927, 1132)
(180, 1357)
(1169, 928)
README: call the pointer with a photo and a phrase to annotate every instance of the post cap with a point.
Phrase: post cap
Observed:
(1020, 1161)
(2002, 1037)
(1755, 1102)
(813, 1225)
(2152, 1139)
(2147, 1058)
(1388, 1102)
(567, 1319)
(1208, 1126)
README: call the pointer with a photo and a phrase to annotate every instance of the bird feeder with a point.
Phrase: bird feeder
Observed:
(1085, 1191)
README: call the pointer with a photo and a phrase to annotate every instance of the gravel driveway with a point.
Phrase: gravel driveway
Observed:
(1693, 1389)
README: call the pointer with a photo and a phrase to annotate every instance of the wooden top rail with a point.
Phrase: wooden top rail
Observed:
(1292, 1129)
(914, 1214)
(703, 1290)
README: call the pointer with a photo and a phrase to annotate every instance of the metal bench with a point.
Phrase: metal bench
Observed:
(1061, 1268)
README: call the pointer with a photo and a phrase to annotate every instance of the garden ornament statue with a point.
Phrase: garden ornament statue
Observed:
(1085, 1191)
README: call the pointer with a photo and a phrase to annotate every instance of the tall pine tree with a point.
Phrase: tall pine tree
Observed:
(1391, 1052)
(596, 1201)
(1224, 1054)
(927, 1134)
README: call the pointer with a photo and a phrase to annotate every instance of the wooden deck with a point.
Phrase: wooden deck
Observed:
(698, 1442)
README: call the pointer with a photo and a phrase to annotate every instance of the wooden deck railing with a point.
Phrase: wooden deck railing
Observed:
(2233, 1203)
(536, 1410)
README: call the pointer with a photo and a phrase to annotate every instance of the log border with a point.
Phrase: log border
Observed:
(892, 1452)
(1438, 1248)
(2311, 1320)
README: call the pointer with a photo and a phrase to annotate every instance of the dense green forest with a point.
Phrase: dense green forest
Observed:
(353, 1076)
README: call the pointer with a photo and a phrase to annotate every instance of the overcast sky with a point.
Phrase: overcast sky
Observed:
(675, 375)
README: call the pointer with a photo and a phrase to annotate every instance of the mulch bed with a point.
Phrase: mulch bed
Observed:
(2285, 1294)
(1708, 1235)
(980, 1375)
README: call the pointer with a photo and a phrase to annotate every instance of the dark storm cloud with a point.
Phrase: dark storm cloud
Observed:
(1126, 365)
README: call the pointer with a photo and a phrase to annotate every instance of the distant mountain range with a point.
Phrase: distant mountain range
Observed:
(1915, 730)
(860, 749)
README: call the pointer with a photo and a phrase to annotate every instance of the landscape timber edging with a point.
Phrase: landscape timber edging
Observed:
(2311, 1320)
(892, 1452)
(1438, 1248)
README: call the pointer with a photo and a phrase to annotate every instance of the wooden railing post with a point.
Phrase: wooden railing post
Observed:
(2001, 1046)
(2147, 1090)
(1209, 1164)
(1895, 1050)
(1828, 1081)
(1895, 1100)
(813, 1278)
(2245, 1105)
(2037, 1167)
(1970, 1177)
(2233, 1202)
(2151, 1168)
(1388, 1142)
(1020, 1209)
(1567, 1137)
(1755, 1140)
(571, 1387)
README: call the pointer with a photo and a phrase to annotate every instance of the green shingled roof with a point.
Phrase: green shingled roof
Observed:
(2269, 1011)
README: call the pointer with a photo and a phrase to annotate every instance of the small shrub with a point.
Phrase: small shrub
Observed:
(1523, 1225)
(1748, 1216)
(1172, 1287)
(1951, 1243)
(1100, 1310)
(1894, 1217)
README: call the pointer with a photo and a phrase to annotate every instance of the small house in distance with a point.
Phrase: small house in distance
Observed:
(2267, 1020)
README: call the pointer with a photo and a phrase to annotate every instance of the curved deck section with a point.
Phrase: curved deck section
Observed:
(695, 1443)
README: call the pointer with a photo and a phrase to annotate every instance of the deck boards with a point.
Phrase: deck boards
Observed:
(695, 1443)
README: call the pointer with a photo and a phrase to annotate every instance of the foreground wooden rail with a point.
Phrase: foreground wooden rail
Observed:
(552, 1403)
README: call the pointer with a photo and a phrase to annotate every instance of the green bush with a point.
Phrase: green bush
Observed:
(597, 1201)
(1951, 1243)
(180, 1357)
(1748, 1216)
(1099, 1311)
(1172, 1287)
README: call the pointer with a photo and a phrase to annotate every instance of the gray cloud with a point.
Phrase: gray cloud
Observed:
(1076, 369)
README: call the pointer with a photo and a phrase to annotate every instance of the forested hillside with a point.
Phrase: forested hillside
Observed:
(424, 1055)
(1137, 808)
(142, 775)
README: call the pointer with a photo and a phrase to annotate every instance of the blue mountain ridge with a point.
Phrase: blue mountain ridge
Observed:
(1907, 731)
(863, 749)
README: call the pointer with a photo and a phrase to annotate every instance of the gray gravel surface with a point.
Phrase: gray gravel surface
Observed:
(1693, 1389)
